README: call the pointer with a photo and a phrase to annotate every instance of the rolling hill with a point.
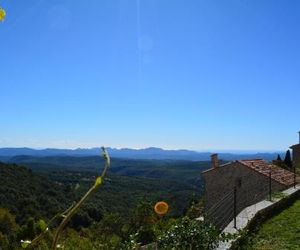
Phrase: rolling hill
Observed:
(147, 153)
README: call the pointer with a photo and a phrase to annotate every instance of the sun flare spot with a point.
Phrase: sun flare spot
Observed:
(161, 208)
(2, 14)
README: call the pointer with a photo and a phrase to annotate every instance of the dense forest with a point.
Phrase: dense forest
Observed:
(45, 186)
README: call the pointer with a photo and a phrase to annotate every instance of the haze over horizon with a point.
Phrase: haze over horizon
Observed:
(234, 151)
(195, 75)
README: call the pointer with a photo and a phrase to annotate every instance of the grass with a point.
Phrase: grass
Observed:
(278, 195)
(278, 233)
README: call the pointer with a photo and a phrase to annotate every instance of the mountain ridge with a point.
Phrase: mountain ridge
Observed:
(151, 153)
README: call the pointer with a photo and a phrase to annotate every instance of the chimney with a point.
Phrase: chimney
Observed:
(214, 160)
(299, 137)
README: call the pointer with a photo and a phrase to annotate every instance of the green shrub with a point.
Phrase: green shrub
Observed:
(190, 234)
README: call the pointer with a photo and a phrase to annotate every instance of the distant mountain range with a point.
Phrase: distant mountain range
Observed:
(147, 153)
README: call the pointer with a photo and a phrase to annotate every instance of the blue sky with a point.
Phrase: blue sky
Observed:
(137, 73)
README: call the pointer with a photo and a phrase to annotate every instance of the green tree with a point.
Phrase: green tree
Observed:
(144, 214)
(288, 160)
(4, 242)
(196, 209)
(8, 223)
(190, 234)
(144, 221)
(279, 158)
(280, 163)
(110, 224)
(27, 231)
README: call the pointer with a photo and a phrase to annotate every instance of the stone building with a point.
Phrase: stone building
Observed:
(251, 179)
(296, 154)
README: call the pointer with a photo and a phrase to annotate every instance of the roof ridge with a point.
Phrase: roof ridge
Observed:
(257, 159)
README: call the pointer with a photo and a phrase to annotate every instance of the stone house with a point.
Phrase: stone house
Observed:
(251, 180)
(296, 154)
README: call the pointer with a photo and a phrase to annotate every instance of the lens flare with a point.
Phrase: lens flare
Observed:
(161, 207)
(2, 14)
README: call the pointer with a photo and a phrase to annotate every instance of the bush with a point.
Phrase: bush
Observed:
(190, 234)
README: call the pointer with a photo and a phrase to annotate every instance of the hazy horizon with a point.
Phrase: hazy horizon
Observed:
(233, 151)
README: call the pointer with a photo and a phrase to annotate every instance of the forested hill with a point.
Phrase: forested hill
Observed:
(181, 171)
(28, 194)
(122, 207)
(41, 195)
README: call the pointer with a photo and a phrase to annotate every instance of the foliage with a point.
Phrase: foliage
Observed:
(278, 158)
(70, 212)
(4, 242)
(177, 170)
(190, 234)
(119, 217)
(8, 223)
(30, 195)
(132, 243)
(72, 240)
(143, 222)
(44, 193)
(196, 209)
(8, 228)
(288, 160)
(279, 232)
(280, 163)
(278, 195)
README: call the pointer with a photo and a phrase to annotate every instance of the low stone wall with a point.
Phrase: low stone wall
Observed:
(251, 218)
(263, 215)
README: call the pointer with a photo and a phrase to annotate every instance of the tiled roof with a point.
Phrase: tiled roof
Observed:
(278, 174)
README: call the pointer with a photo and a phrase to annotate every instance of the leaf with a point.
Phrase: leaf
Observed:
(25, 243)
(2, 14)
(77, 186)
(98, 181)
(42, 225)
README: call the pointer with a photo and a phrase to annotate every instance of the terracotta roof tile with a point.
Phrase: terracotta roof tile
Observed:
(278, 174)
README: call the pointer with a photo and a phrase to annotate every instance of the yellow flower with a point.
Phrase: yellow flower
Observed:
(161, 207)
(2, 14)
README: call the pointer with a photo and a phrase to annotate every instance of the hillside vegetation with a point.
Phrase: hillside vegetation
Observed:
(42, 194)
(27, 194)
(121, 208)
(282, 232)
(183, 171)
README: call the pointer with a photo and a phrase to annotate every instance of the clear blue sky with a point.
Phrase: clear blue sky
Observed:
(137, 73)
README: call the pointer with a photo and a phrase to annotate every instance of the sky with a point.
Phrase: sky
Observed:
(176, 74)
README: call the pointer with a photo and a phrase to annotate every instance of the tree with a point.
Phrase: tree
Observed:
(4, 243)
(27, 231)
(7, 222)
(110, 224)
(190, 234)
(279, 158)
(280, 163)
(288, 159)
(144, 221)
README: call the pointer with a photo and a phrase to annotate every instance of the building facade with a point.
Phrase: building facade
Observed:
(296, 154)
(246, 181)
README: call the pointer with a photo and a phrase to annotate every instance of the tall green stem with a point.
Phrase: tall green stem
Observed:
(89, 193)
